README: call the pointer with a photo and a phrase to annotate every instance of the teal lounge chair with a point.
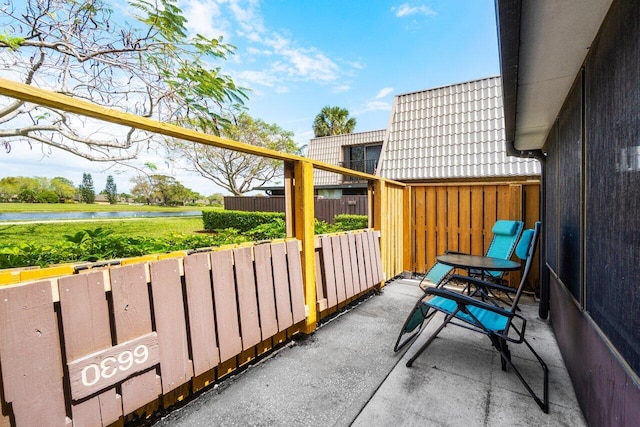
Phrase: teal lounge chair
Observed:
(505, 238)
(480, 313)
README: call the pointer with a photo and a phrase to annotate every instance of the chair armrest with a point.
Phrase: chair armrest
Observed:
(464, 300)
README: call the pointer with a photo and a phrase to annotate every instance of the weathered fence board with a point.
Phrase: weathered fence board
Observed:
(247, 299)
(281, 285)
(224, 293)
(202, 328)
(85, 321)
(132, 318)
(29, 330)
(346, 262)
(329, 275)
(296, 285)
(170, 320)
(266, 292)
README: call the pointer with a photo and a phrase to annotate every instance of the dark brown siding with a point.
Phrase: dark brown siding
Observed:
(325, 209)
(594, 151)
(613, 180)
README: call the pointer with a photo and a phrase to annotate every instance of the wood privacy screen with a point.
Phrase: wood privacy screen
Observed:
(347, 265)
(460, 218)
(91, 348)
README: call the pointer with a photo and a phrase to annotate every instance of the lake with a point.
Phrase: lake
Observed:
(47, 216)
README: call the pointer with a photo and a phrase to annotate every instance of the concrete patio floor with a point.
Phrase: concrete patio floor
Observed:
(346, 373)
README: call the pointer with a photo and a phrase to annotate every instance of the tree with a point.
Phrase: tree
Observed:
(111, 190)
(63, 187)
(89, 51)
(87, 192)
(142, 190)
(333, 121)
(235, 171)
(216, 199)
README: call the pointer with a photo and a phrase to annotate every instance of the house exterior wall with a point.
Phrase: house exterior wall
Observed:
(328, 149)
(592, 226)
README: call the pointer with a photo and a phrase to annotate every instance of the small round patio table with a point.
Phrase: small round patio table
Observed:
(478, 262)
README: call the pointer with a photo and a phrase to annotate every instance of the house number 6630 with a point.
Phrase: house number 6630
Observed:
(109, 366)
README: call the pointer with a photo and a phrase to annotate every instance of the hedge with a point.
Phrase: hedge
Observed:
(240, 220)
(345, 222)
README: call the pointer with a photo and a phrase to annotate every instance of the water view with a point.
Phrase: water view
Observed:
(48, 216)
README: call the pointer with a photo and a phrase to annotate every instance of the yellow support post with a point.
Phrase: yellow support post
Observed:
(303, 220)
(379, 217)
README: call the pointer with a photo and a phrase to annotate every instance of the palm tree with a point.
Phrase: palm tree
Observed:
(333, 121)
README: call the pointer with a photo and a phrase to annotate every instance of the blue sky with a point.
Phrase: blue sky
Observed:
(297, 56)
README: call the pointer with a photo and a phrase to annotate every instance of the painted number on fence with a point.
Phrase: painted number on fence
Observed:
(109, 366)
(105, 368)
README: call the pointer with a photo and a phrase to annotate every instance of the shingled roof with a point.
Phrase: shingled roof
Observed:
(451, 132)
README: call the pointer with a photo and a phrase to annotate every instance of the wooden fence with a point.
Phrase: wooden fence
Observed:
(95, 347)
(325, 209)
(460, 217)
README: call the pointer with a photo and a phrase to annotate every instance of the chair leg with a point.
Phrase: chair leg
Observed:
(414, 322)
(505, 356)
(431, 338)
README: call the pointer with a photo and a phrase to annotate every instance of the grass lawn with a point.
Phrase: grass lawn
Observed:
(83, 207)
(52, 232)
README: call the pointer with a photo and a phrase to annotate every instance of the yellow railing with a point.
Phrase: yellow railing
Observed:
(387, 197)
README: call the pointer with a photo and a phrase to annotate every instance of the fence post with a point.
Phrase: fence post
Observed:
(377, 205)
(303, 227)
(407, 223)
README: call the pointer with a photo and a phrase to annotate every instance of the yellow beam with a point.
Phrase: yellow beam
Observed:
(55, 100)
(303, 227)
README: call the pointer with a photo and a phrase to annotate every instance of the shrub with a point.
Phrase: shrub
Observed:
(240, 220)
(345, 222)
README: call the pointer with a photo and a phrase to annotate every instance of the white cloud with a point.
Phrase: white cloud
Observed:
(408, 10)
(205, 17)
(384, 92)
(372, 106)
(341, 88)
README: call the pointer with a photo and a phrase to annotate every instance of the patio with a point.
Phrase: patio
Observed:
(346, 373)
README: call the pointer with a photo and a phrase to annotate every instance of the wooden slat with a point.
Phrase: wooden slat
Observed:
(247, 298)
(367, 261)
(329, 271)
(296, 285)
(224, 293)
(321, 295)
(421, 229)
(432, 230)
(376, 266)
(464, 221)
(490, 213)
(132, 318)
(30, 355)
(477, 219)
(202, 328)
(357, 287)
(346, 265)
(341, 289)
(266, 293)
(281, 286)
(170, 317)
(441, 219)
(452, 219)
(85, 321)
(362, 271)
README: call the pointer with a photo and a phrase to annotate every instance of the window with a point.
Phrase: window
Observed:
(363, 158)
